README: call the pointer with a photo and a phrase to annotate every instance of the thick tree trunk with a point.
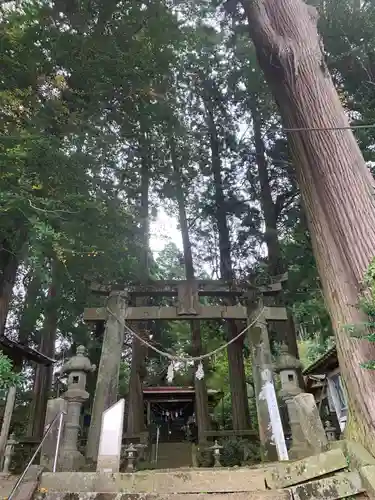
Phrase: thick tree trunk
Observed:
(10, 256)
(336, 186)
(44, 374)
(30, 315)
(285, 331)
(275, 263)
(237, 379)
(136, 420)
(201, 398)
(8, 279)
(31, 309)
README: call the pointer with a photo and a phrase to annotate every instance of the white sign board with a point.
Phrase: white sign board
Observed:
(268, 393)
(111, 438)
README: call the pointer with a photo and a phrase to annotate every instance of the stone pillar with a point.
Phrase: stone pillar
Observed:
(7, 418)
(288, 367)
(314, 436)
(47, 454)
(271, 432)
(8, 455)
(109, 369)
(70, 459)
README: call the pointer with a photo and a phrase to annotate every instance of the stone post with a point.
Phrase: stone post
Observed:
(271, 432)
(109, 369)
(312, 429)
(8, 412)
(47, 454)
(8, 455)
(288, 366)
(70, 459)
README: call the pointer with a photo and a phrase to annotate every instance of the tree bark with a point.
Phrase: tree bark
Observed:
(31, 309)
(11, 252)
(336, 186)
(275, 263)
(136, 420)
(237, 379)
(201, 398)
(44, 374)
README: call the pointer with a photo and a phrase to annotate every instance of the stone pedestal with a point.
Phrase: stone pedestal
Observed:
(47, 455)
(108, 373)
(311, 427)
(287, 366)
(70, 459)
(298, 449)
(271, 432)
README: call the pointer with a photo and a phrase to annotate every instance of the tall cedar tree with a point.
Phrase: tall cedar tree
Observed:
(336, 186)
(201, 398)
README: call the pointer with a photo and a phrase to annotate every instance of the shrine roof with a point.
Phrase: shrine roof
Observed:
(324, 364)
(16, 350)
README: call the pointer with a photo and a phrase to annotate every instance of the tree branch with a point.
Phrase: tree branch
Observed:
(283, 200)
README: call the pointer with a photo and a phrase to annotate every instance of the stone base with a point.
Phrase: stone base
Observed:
(47, 454)
(164, 482)
(70, 461)
(298, 451)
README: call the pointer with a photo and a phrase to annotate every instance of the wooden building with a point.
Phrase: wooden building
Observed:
(172, 408)
(18, 352)
(323, 380)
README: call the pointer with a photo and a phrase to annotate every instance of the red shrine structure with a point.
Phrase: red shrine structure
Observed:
(172, 408)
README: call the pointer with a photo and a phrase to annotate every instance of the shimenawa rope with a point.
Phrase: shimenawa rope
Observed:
(184, 359)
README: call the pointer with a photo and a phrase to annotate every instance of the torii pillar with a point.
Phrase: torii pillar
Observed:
(271, 433)
(109, 369)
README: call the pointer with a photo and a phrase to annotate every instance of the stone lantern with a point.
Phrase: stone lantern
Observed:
(77, 369)
(287, 367)
(330, 431)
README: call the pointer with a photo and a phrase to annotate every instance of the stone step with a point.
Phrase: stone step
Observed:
(26, 489)
(7, 482)
(173, 455)
(170, 447)
(171, 462)
(255, 495)
(172, 481)
(175, 444)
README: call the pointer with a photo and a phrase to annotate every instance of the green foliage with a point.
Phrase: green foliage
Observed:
(368, 298)
(8, 377)
(239, 451)
(236, 451)
(367, 303)
(312, 349)
(170, 263)
(124, 379)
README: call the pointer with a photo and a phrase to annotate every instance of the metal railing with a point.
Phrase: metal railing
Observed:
(60, 418)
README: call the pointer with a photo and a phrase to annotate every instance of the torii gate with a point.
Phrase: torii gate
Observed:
(188, 307)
